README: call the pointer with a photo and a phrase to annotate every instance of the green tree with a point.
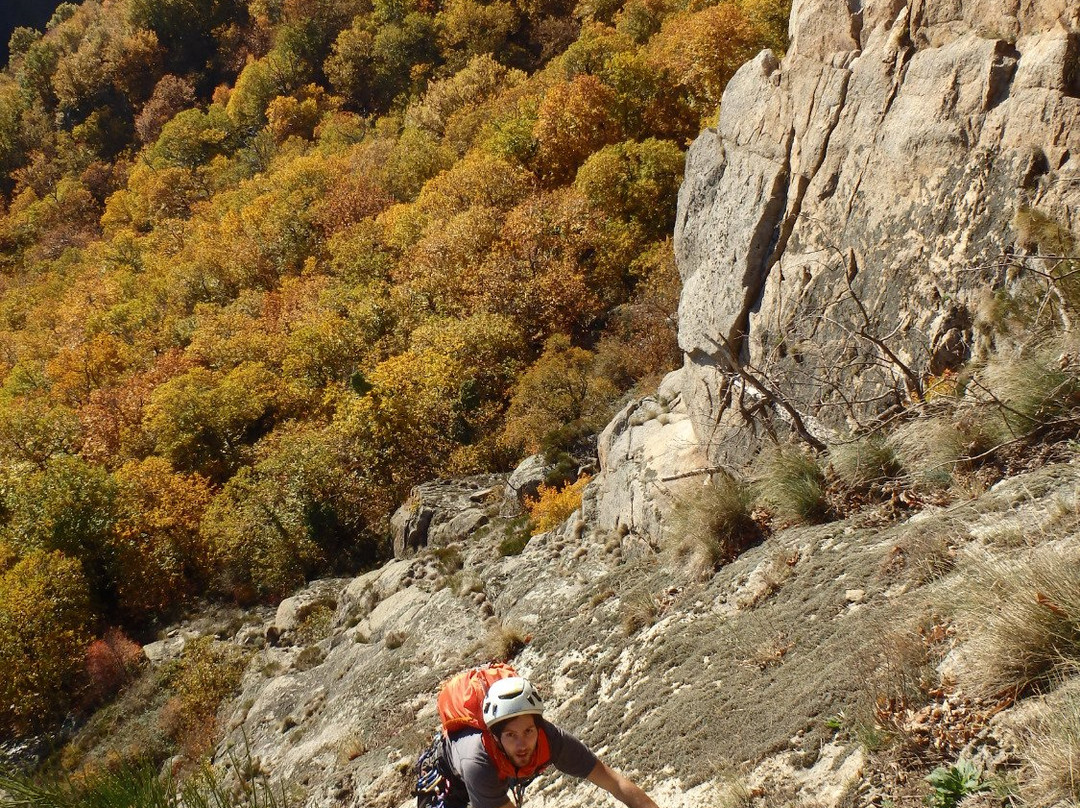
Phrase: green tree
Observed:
(32, 431)
(192, 138)
(69, 506)
(185, 28)
(635, 182)
(259, 537)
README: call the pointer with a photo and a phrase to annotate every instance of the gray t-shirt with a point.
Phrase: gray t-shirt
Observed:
(470, 761)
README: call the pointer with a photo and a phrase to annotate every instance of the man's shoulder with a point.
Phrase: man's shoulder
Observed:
(467, 748)
(554, 732)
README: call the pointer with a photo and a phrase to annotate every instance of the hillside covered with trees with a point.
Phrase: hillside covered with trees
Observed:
(266, 265)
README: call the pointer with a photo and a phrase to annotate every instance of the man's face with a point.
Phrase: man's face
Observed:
(518, 739)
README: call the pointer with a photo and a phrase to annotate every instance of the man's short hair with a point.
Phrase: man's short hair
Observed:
(499, 728)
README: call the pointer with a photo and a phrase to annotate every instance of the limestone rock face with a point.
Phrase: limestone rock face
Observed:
(443, 511)
(857, 197)
(647, 454)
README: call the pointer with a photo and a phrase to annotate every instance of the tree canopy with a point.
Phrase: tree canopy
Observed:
(267, 264)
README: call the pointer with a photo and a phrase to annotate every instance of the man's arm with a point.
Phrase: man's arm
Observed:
(619, 787)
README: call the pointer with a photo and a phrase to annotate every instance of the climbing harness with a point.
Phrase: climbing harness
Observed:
(432, 786)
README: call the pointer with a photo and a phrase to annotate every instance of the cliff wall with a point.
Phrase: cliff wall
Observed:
(840, 228)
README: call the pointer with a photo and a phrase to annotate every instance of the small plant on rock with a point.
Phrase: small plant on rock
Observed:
(315, 625)
(950, 784)
(515, 536)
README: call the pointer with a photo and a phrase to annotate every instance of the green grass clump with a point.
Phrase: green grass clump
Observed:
(793, 484)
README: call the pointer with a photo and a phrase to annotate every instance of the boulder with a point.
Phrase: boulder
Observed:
(524, 483)
(292, 611)
(442, 512)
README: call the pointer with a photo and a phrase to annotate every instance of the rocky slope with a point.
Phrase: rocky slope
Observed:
(709, 689)
(874, 172)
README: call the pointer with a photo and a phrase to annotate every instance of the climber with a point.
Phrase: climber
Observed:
(481, 765)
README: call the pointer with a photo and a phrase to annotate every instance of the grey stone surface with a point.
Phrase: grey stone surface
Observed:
(880, 162)
(441, 512)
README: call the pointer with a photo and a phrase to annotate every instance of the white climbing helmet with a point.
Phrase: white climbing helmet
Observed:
(509, 698)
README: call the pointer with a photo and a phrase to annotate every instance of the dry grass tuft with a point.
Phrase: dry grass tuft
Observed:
(865, 462)
(1051, 750)
(922, 556)
(930, 449)
(793, 484)
(1033, 388)
(504, 642)
(639, 610)
(715, 522)
(1023, 621)
(899, 672)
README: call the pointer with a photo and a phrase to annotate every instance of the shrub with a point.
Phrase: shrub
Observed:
(715, 521)
(1022, 620)
(315, 626)
(792, 483)
(111, 662)
(553, 506)
(207, 672)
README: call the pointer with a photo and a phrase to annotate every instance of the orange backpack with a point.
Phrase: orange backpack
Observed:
(461, 698)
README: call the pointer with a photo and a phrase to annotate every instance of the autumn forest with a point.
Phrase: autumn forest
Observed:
(267, 264)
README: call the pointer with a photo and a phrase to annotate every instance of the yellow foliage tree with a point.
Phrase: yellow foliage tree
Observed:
(44, 614)
(553, 506)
